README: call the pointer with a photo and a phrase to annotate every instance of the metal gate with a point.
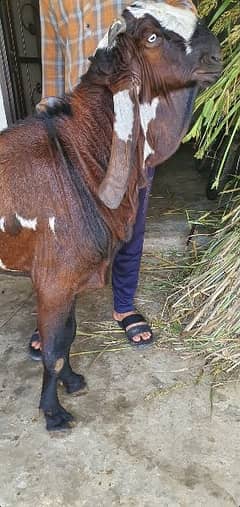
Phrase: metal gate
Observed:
(20, 57)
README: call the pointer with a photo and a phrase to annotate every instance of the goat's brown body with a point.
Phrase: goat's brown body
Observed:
(39, 184)
(43, 180)
(68, 199)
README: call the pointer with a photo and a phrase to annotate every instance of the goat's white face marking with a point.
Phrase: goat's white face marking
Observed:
(181, 21)
(147, 114)
(51, 222)
(27, 223)
(124, 118)
(188, 49)
(2, 224)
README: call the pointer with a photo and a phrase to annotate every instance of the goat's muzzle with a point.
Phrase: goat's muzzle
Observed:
(209, 70)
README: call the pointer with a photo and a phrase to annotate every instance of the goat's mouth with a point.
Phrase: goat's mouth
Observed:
(206, 77)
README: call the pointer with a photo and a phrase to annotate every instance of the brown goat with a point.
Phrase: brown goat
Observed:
(68, 201)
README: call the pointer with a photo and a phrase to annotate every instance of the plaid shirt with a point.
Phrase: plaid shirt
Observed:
(70, 33)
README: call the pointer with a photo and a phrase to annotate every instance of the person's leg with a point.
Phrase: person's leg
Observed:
(126, 265)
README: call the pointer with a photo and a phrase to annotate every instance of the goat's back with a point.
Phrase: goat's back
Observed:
(48, 203)
(29, 160)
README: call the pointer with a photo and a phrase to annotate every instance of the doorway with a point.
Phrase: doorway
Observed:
(20, 57)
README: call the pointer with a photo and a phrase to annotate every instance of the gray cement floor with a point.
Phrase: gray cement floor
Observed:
(147, 433)
(179, 191)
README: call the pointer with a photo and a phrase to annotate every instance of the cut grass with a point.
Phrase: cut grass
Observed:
(207, 305)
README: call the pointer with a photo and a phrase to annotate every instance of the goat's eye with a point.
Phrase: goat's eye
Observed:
(152, 38)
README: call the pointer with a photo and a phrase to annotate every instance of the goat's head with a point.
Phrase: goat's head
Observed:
(156, 47)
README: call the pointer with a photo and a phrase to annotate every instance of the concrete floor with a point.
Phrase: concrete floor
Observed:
(147, 434)
(179, 191)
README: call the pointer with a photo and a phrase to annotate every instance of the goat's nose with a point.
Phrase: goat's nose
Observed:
(215, 58)
(211, 59)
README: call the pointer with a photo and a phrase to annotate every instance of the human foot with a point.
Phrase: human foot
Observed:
(138, 332)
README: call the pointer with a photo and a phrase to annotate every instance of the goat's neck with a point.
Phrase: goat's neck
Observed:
(90, 140)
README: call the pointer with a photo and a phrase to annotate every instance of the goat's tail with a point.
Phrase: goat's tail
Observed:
(51, 109)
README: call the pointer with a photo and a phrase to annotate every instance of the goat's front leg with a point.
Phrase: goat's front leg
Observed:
(57, 328)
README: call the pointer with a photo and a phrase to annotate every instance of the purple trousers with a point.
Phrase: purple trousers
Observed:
(126, 264)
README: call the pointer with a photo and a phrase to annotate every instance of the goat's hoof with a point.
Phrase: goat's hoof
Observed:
(61, 421)
(76, 385)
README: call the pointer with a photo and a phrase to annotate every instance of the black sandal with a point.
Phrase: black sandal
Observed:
(35, 354)
(136, 318)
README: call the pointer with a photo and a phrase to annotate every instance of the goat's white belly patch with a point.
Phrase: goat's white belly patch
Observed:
(147, 114)
(181, 21)
(27, 223)
(123, 109)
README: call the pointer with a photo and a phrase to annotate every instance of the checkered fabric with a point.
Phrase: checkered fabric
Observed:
(70, 33)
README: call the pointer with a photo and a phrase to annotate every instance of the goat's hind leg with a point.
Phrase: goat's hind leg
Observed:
(57, 328)
(57, 418)
(74, 383)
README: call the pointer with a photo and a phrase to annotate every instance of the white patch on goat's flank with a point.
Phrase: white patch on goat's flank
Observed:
(2, 224)
(123, 109)
(27, 223)
(51, 222)
(2, 266)
(147, 114)
(181, 21)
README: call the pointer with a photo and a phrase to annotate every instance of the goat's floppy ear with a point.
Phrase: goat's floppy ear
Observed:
(118, 26)
(125, 135)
